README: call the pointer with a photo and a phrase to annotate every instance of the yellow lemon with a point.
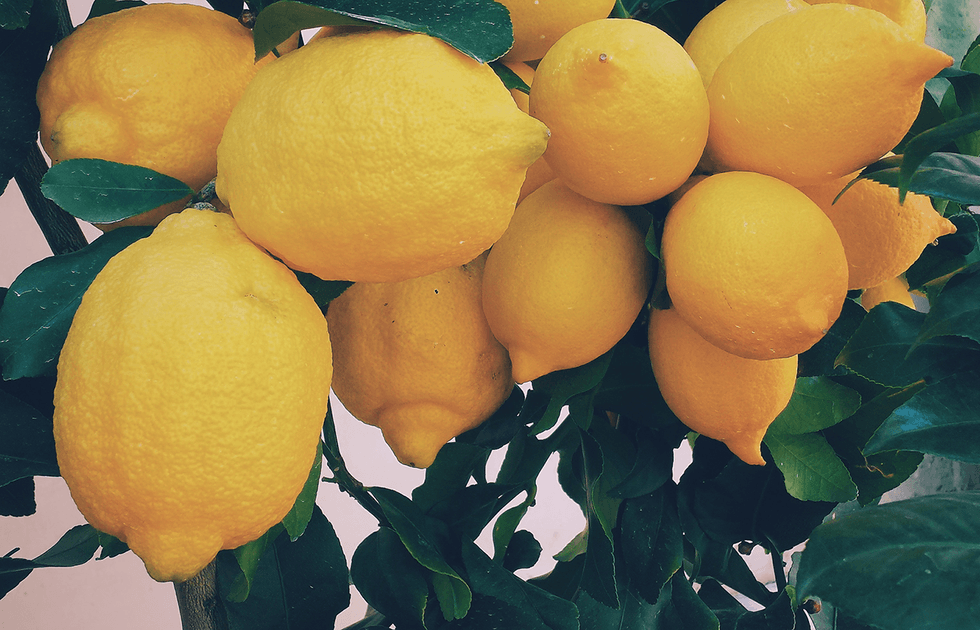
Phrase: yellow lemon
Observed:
(539, 172)
(626, 108)
(191, 393)
(538, 24)
(396, 156)
(801, 97)
(893, 290)
(722, 396)
(564, 283)
(908, 14)
(753, 265)
(150, 85)
(417, 359)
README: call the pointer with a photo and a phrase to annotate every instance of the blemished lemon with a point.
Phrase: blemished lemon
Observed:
(722, 396)
(908, 14)
(753, 265)
(800, 98)
(396, 156)
(725, 26)
(626, 108)
(191, 393)
(121, 88)
(893, 290)
(881, 237)
(565, 282)
(538, 24)
(417, 359)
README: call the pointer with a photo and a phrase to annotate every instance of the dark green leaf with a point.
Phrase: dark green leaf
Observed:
(478, 28)
(297, 518)
(413, 530)
(111, 546)
(17, 498)
(956, 310)
(632, 614)
(950, 254)
(523, 551)
(680, 607)
(27, 448)
(884, 349)
(532, 608)
(779, 615)
(599, 578)
(962, 97)
(471, 509)
(629, 389)
(298, 585)
(248, 556)
(811, 469)
(501, 427)
(505, 527)
(389, 579)
(229, 7)
(509, 78)
(323, 291)
(820, 359)
(817, 403)
(41, 303)
(100, 191)
(23, 53)
(563, 580)
(930, 115)
(564, 384)
(13, 571)
(928, 142)
(945, 175)
(105, 7)
(943, 419)
(652, 468)
(904, 565)
(76, 547)
(448, 474)
(883, 472)
(652, 546)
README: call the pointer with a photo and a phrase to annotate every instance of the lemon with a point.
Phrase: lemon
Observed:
(801, 98)
(191, 393)
(626, 108)
(396, 156)
(725, 26)
(881, 237)
(127, 87)
(565, 282)
(539, 172)
(722, 396)
(417, 359)
(538, 24)
(892, 290)
(753, 265)
(908, 14)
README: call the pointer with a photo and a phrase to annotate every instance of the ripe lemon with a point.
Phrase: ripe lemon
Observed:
(725, 26)
(565, 281)
(908, 14)
(722, 396)
(417, 359)
(626, 108)
(539, 172)
(881, 237)
(800, 98)
(893, 290)
(191, 392)
(129, 87)
(396, 156)
(753, 265)
(538, 24)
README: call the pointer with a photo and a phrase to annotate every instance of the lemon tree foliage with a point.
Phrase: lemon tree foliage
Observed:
(870, 398)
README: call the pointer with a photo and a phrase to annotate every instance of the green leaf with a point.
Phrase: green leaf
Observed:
(928, 142)
(779, 615)
(903, 566)
(41, 303)
(956, 310)
(301, 584)
(105, 7)
(300, 514)
(811, 469)
(505, 527)
(564, 384)
(652, 544)
(323, 291)
(629, 389)
(951, 254)
(470, 510)
(884, 349)
(76, 547)
(111, 546)
(820, 359)
(509, 78)
(388, 578)
(17, 498)
(27, 448)
(963, 96)
(652, 468)
(943, 419)
(248, 557)
(100, 191)
(413, 530)
(523, 551)
(449, 473)
(478, 28)
(817, 403)
(945, 175)
(24, 50)
(531, 607)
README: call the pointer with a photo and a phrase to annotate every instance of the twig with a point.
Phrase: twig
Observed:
(342, 477)
(197, 601)
(59, 228)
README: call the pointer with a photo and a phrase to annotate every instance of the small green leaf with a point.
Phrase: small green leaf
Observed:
(478, 28)
(817, 403)
(100, 191)
(297, 518)
(943, 419)
(811, 469)
(509, 78)
(956, 310)
(76, 547)
(523, 551)
(111, 546)
(924, 549)
(42, 300)
(505, 527)
(27, 448)
(564, 384)
(387, 576)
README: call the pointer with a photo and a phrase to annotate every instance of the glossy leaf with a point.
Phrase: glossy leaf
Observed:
(448, 474)
(811, 469)
(903, 566)
(248, 557)
(652, 544)
(105, 7)
(820, 359)
(77, 546)
(478, 28)
(564, 384)
(300, 514)
(945, 175)
(921, 147)
(25, 39)
(652, 468)
(817, 403)
(943, 420)
(323, 291)
(400, 590)
(509, 78)
(523, 551)
(41, 303)
(27, 448)
(950, 254)
(100, 191)
(505, 527)
(956, 310)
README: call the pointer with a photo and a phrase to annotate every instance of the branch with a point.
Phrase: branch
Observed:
(59, 228)
(197, 601)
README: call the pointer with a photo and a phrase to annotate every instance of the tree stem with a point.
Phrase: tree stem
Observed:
(197, 601)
